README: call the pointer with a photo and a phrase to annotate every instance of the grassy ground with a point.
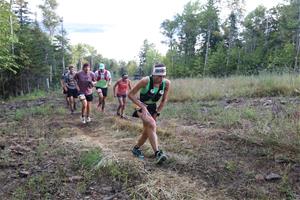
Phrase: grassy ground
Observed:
(237, 86)
(223, 137)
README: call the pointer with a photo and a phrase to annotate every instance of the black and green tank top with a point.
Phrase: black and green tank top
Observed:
(150, 94)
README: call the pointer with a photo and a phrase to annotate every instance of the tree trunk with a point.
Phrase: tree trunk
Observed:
(28, 86)
(229, 49)
(206, 51)
(11, 28)
(239, 61)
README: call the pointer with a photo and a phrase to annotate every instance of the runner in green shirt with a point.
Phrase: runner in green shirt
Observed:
(152, 89)
(103, 78)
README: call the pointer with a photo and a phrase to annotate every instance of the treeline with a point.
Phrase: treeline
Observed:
(33, 54)
(201, 43)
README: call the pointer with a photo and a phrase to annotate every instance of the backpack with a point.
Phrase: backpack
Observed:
(105, 75)
(149, 95)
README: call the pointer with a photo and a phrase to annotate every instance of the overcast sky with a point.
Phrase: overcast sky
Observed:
(117, 28)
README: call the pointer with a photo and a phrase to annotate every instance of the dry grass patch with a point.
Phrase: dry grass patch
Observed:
(208, 89)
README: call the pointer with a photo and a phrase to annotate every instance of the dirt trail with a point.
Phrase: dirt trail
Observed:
(205, 161)
(116, 145)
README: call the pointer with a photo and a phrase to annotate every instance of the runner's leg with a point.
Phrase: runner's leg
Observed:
(100, 95)
(103, 103)
(71, 99)
(84, 108)
(88, 110)
(123, 105)
(149, 131)
(119, 112)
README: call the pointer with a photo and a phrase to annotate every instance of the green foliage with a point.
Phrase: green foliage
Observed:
(286, 189)
(216, 61)
(7, 40)
(31, 96)
(264, 40)
(29, 56)
(131, 67)
(50, 18)
(90, 158)
(282, 58)
(37, 111)
(148, 57)
(231, 166)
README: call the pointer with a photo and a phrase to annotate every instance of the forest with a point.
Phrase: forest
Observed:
(202, 41)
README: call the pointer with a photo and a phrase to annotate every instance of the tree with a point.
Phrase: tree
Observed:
(50, 19)
(143, 52)
(169, 28)
(217, 61)
(152, 57)
(189, 30)
(7, 59)
(22, 12)
(131, 67)
(209, 27)
(231, 29)
(79, 52)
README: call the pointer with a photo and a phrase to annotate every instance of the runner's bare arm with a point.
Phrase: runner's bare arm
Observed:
(63, 84)
(76, 82)
(94, 82)
(114, 88)
(132, 94)
(165, 96)
(109, 81)
(129, 85)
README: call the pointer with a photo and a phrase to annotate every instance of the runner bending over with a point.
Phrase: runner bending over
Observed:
(122, 86)
(151, 88)
(85, 83)
(103, 78)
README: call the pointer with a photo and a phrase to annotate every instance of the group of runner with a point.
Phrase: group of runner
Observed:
(151, 89)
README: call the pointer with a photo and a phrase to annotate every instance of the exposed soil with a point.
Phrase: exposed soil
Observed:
(39, 158)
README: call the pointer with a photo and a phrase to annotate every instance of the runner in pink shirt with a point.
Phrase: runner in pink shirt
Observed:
(123, 85)
(85, 83)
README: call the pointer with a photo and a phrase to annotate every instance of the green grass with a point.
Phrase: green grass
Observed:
(89, 159)
(37, 111)
(209, 89)
(286, 189)
(31, 96)
(258, 123)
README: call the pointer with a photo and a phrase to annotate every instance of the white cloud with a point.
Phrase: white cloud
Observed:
(127, 23)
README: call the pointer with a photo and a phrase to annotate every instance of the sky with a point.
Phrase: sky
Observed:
(117, 28)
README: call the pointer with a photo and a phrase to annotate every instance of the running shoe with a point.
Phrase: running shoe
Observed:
(83, 120)
(123, 117)
(138, 153)
(88, 119)
(160, 157)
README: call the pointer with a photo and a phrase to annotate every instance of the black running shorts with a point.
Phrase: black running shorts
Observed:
(89, 97)
(72, 93)
(151, 109)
